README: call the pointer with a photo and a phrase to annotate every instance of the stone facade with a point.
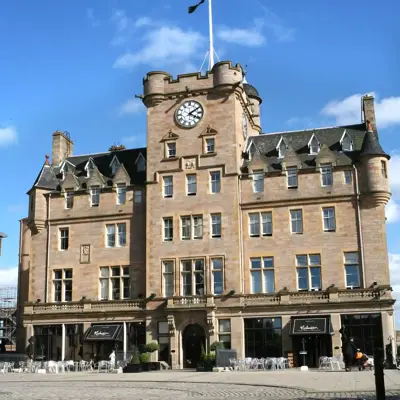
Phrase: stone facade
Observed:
(231, 117)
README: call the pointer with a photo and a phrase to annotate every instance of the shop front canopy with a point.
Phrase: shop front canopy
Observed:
(311, 326)
(103, 332)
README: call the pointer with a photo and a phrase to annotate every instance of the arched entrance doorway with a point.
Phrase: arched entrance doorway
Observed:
(193, 338)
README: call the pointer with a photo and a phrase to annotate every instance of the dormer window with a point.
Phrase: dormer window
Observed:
(141, 163)
(89, 167)
(114, 165)
(281, 147)
(67, 166)
(313, 145)
(346, 142)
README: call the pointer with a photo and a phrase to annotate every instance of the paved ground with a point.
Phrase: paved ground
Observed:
(195, 385)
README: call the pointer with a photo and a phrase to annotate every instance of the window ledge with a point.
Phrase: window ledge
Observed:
(166, 159)
(208, 155)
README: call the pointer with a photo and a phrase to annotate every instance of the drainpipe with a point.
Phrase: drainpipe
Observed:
(241, 266)
(47, 251)
(360, 236)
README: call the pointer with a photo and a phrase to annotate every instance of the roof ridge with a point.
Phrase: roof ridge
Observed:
(105, 152)
(309, 130)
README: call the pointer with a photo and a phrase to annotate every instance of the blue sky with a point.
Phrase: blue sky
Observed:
(77, 65)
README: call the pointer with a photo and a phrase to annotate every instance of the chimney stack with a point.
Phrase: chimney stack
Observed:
(62, 147)
(368, 109)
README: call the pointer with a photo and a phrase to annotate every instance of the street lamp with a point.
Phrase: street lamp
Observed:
(2, 236)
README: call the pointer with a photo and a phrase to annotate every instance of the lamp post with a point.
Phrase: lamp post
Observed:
(303, 353)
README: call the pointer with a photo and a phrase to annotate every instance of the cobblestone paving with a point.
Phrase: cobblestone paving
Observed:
(85, 390)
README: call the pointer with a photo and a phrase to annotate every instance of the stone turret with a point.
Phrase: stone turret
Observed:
(375, 185)
(255, 102)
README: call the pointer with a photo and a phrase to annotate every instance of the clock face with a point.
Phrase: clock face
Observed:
(189, 114)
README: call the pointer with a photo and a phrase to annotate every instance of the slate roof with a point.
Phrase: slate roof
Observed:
(371, 145)
(250, 90)
(50, 176)
(298, 140)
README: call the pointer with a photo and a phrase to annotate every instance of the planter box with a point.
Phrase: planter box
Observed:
(132, 368)
(151, 366)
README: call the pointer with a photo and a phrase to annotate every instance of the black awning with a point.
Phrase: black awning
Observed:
(311, 326)
(103, 332)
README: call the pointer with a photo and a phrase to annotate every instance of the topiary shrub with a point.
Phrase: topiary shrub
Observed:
(144, 358)
(135, 358)
(217, 345)
(151, 347)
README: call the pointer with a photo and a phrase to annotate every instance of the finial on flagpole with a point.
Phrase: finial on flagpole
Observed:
(244, 80)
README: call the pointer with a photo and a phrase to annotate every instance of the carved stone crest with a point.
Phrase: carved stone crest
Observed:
(171, 325)
(85, 253)
(211, 322)
(190, 164)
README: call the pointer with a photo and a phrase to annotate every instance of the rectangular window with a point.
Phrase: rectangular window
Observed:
(326, 174)
(168, 273)
(197, 227)
(186, 228)
(138, 196)
(210, 145)
(121, 235)
(329, 219)
(168, 229)
(266, 219)
(121, 193)
(383, 169)
(217, 265)
(115, 283)
(62, 285)
(110, 235)
(191, 184)
(308, 272)
(258, 181)
(95, 196)
(292, 180)
(216, 230)
(192, 227)
(262, 275)
(171, 150)
(352, 270)
(254, 224)
(215, 181)
(64, 238)
(348, 177)
(69, 199)
(168, 186)
(296, 220)
(224, 332)
(192, 277)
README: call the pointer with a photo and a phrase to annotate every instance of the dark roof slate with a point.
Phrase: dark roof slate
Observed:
(371, 146)
(298, 140)
(250, 90)
(47, 178)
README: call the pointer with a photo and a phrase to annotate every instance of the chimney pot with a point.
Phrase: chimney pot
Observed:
(47, 159)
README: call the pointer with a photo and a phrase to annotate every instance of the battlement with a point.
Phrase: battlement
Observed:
(159, 84)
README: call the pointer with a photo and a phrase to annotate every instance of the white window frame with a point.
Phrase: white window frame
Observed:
(352, 264)
(170, 149)
(194, 224)
(166, 275)
(282, 148)
(314, 145)
(215, 182)
(110, 278)
(262, 270)
(209, 145)
(191, 184)
(118, 237)
(114, 165)
(69, 199)
(309, 267)
(216, 225)
(95, 196)
(346, 142)
(258, 181)
(90, 166)
(121, 193)
(62, 282)
(63, 236)
(193, 272)
(348, 177)
(326, 174)
(384, 169)
(138, 196)
(168, 226)
(292, 177)
(225, 333)
(168, 182)
(215, 271)
(294, 217)
(328, 214)
(254, 224)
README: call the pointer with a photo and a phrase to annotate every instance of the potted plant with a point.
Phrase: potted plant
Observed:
(152, 348)
(144, 360)
(134, 364)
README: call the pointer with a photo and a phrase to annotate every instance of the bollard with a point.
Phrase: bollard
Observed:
(379, 377)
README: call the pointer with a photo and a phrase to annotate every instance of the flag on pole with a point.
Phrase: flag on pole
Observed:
(193, 8)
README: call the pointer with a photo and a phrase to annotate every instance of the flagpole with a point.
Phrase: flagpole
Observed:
(211, 52)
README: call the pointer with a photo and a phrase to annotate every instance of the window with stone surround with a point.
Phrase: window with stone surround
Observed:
(296, 221)
(308, 269)
(326, 175)
(62, 285)
(216, 225)
(193, 283)
(168, 229)
(383, 169)
(217, 274)
(171, 149)
(115, 283)
(69, 199)
(209, 145)
(215, 181)
(191, 227)
(64, 239)
(258, 181)
(168, 186)
(191, 184)
(292, 178)
(348, 177)
(94, 196)
(328, 215)
(225, 332)
(266, 224)
(116, 235)
(168, 278)
(352, 270)
(262, 275)
(121, 193)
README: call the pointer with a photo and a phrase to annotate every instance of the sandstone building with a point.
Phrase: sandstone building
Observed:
(214, 232)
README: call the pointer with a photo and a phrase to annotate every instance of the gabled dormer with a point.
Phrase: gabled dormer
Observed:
(314, 145)
(140, 163)
(346, 142)
(114, 165)
(65, 167)
(281, 147)
(70, 182)
(90, 167)
(121, 177)
(291, 159)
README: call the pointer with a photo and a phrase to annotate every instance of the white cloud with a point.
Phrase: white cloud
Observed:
(8, 276)
(279, 29)
(131, 106)
(91, 17)
(348, 110)
(142, 21)
(392, 212)
(8, 136)
(126, 27)
(251, 37)
(164, 45)
(394, 176)
(394, 266)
